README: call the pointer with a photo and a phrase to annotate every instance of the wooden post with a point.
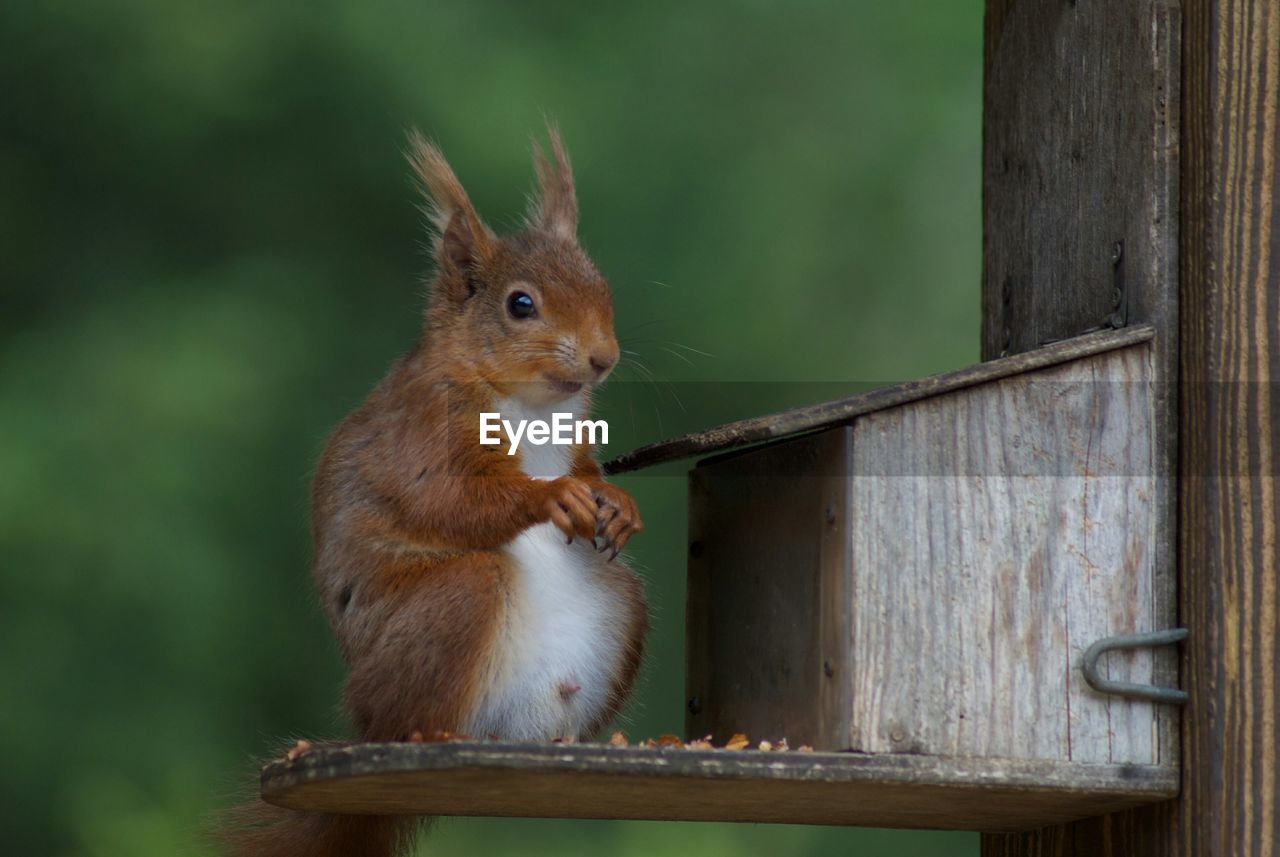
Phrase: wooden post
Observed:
(1228, 352)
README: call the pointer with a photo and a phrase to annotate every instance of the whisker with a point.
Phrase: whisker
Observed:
(660, 387)
(679, 402)
(639, 364)
(632, 354)
(676, 354)
(646, 375)
(667, 342)
(691, 349)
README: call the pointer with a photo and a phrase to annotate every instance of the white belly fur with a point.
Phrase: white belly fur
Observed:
(561, 629)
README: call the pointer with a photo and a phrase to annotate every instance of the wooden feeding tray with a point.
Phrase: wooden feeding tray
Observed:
(907, 580)
(599, 781)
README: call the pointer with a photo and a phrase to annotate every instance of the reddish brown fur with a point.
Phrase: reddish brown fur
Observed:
(410, 513)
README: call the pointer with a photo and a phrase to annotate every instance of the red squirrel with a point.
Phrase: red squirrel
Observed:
(473, 591)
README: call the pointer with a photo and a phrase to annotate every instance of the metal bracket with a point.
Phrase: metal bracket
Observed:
(1115, 320)
(1119, 316)
(1150, 639)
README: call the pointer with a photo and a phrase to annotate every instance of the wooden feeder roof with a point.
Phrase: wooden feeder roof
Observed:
(826, 414)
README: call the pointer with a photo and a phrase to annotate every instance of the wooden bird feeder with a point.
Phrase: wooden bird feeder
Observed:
(922, 572)
(962, 591)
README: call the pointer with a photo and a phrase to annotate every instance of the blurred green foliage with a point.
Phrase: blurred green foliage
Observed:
(210, 253)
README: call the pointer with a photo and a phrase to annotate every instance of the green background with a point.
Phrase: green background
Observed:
(209, 252)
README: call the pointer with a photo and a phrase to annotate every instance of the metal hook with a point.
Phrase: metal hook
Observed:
(1150, 639)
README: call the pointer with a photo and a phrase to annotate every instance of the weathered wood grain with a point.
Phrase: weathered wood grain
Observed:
(591, 781)
(1228, 515)
(998, 532)
(815, 417)
(1230, 427)
(1049, 69)
(1079, 162)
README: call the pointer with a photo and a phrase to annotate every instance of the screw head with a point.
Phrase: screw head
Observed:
(695, 705)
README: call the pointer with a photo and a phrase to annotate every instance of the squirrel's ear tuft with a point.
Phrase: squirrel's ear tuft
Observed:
(554, 208)
(461, 237)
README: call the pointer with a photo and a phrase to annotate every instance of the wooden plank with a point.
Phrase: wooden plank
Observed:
(1080, 154)
(815, 417)
(835, 591)
(998, 532)
(594, 781)
(767, 613)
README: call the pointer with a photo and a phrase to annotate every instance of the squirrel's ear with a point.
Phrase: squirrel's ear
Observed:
(457, 246)
(554, 208)
(462, 238)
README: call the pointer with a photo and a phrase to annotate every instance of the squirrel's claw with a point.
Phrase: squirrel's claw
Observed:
(617, 518)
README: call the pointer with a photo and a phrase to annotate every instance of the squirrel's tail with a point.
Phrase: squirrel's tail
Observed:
(260, 829)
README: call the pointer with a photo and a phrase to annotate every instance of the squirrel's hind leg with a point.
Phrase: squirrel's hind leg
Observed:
(426, 664)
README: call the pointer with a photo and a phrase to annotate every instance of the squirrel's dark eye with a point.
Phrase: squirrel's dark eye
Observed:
(521, 306)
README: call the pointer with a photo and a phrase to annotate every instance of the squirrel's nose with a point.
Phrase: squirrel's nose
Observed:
(602, 361)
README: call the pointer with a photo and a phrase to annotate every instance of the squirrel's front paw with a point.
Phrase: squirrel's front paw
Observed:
(617, 517)
(571, 506)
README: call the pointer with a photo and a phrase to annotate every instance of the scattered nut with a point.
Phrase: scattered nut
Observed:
(297, 750)
(438, 735)
(739, 741)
